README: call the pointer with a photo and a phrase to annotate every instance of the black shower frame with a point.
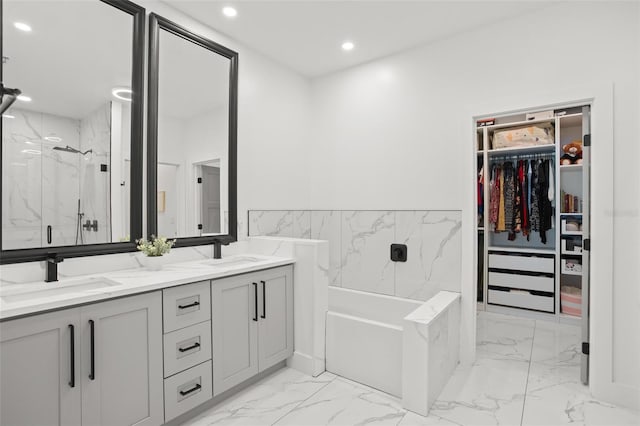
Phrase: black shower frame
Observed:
(137, 121)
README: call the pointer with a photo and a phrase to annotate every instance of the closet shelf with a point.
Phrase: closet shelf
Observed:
(550, 148)
(519, 123)
(570, 214)
(571, 232)
(571, 167)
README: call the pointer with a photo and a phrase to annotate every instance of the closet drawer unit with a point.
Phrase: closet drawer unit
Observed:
(186, 305)
(187, 390)
(522, 262)
(187, 347)
(522, 281)
(521, 299)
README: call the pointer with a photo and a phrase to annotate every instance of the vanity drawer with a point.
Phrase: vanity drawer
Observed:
(186, 305)
(522, 281)
(521, 299)
(187, 347)
(187, 390)
(522, 262)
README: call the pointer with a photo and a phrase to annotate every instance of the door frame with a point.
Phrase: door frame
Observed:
(600, 97)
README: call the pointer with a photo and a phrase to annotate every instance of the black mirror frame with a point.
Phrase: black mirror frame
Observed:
(156, 23)
(137, 114)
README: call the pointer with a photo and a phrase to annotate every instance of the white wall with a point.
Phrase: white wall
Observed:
(395, 133)
(273, 125)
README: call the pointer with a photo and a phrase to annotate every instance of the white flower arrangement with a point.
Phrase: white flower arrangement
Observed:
(156, 246)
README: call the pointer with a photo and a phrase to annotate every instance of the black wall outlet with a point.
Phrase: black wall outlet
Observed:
(399, 252)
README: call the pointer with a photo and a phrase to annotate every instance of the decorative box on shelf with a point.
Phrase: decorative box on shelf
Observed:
(571, 300)
(571, 266)
(571, 245)
(571, 226)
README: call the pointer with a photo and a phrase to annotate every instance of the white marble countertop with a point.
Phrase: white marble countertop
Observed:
(26, 299)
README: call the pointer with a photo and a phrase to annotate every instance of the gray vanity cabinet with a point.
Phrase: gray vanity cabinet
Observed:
(123, 385)
(100, 364)
(37, 385)
(252, 319)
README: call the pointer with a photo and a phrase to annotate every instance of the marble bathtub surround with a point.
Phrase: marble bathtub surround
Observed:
(431, 342)
(359, 242)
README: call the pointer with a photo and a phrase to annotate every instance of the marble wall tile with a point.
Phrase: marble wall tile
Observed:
(365, 263)
(433, 240)
(325, 225)
(301, 224)
(271, 223)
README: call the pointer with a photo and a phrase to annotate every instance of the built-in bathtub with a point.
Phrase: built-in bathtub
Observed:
(364, 337)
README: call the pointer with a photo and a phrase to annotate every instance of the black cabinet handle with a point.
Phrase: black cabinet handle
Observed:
(264, 300)
(255, 300)
(193, 389)
(92, 374)
(190, 305)
(72, 348)
(188, 348)
(49, 234)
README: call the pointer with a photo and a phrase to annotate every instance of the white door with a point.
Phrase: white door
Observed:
(39, 385)
(234, 311)
(275, 329)
(122, 377)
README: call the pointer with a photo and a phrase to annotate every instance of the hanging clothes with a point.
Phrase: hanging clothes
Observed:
(480, 195)
(494, 197)
(509, 197)
(524, 196)
(543, 200)
(534, 194)
(501, 218)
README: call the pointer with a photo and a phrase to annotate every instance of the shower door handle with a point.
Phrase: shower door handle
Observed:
(48, 234)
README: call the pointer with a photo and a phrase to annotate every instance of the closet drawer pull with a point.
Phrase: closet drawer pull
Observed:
(193, 389)
(188, 348)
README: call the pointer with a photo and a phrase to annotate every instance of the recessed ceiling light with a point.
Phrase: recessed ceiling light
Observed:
(54, 139)
(22, 26)
(24, 98)
(122, 93)
(7, 116)
(348, 45)
(229, 12)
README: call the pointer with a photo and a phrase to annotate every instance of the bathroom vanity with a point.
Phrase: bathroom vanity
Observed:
(141, 347)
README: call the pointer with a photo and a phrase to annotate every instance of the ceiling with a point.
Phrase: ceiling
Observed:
(306, 35)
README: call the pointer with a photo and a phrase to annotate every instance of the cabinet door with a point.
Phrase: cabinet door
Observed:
(275, 329)
(39, 385)
(122, 361)
(234, 331)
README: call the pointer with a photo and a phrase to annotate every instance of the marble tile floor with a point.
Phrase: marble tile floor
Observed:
(527, 372)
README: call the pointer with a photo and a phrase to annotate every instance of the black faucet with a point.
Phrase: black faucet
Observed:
(52, 267)
(217, 250)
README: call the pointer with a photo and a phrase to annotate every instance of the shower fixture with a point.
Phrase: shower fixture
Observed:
(72, 150)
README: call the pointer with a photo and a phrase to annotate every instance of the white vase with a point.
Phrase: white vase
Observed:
(153, 263)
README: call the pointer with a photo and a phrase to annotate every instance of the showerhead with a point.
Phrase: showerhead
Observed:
(71, 150)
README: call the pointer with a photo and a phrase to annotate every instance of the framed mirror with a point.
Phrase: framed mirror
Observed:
(72, 141)
(192, 127)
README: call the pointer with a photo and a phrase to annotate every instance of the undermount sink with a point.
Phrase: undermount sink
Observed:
(233, 261)
(39, 291)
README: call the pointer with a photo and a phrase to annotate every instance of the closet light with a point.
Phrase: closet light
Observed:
(348, 45)
(22, 26)
(122, 93)
(24, 98)
(229, 12)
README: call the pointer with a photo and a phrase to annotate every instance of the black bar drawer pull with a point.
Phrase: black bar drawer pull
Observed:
(190, 305)
(264, 300)
(92, 374)
(188, 348)
(255, 299)
(49, 234)
(193, 389)
(72, 348)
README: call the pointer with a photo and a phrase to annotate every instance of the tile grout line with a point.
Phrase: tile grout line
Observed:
(304, 400)
(526, 385)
